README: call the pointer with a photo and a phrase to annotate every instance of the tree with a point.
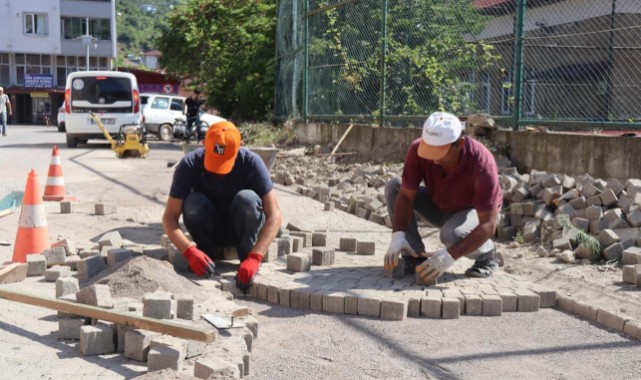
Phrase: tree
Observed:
(226, 48)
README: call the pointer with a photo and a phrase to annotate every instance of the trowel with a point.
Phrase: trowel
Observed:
(222, 322)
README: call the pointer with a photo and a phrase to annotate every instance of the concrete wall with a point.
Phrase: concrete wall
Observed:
(600, 156)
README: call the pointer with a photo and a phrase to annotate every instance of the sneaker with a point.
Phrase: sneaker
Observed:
(483, 269)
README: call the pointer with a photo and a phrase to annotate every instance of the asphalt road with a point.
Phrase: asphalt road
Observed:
(548, 344)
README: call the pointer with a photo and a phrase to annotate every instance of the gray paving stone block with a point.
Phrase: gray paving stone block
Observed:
(398, 271)
(96, 295)
(431, 306)
(65, 207)
(316, 301)
(184, 306)
(261, 291)
(608, 198)
(299, 262)
(300, 299)
(473, 304)
(610, 319)
(69, 327)
(36, 265)
(565, 303)
(90, 266)
(96, 339)
(450, 308)
(492, 305)
(68, 245)
(607, 237)
(111, 239)
(55, 272)
(394, 309)
(334, 303)
(297, 243)
(305, 235)
(177, 259)
(547, 296)
(272, 294)
(347, 244)
(284, 246)
(137, 343)
(351, 304)
(510, 300)
(206, 367)
(632, 328)
(322, 256)
(527, 300)
(585, 310)
(631, 256)
(613, 252)
(329, 206)
(116, 255)
(369, 306)
(284, 297)
(105, 208)
(160, 358)
(121, 332)
(319, 239)
(66, 285)
(366, 248)
(156, 305)
(54, 256)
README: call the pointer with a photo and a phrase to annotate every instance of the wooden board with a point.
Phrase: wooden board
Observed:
(158, 325)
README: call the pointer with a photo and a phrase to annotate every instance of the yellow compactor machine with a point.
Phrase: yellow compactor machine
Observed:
(130, 142)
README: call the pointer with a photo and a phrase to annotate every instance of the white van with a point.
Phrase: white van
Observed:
(113, 95)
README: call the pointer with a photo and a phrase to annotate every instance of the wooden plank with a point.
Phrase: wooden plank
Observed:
(134, 321)
(15, 272)
(341, 139)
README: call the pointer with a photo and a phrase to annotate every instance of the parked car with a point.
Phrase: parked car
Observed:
(61, 118)
(159, 112)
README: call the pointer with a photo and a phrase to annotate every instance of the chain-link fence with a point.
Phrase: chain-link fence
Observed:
(393, 62)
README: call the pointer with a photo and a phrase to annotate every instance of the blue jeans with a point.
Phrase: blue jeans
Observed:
(193, 122)
(213, 228)
(454, 227)
(4, 122)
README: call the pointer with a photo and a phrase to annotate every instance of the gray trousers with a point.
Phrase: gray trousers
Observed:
(453, 227)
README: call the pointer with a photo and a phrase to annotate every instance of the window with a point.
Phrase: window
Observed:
(4, 68)
(160, 103)
(31, 64)
(35, 24)
(177, 105)
(74, 27)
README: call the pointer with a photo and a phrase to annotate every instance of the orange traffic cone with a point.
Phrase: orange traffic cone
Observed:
(55, 188)
(33, 233)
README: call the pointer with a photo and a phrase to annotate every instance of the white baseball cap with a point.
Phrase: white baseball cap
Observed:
(439, 131)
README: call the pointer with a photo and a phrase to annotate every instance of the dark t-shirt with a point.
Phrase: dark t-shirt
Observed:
(473, 184)
(193, 106)
(249, 173)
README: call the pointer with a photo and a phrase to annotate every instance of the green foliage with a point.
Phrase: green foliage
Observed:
(261, 134)
(138, 27)
(226, 48)
(587, 241)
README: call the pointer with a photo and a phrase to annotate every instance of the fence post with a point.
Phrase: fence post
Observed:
(306, 64)
(608, 90)
(383, 66)
(518, 61)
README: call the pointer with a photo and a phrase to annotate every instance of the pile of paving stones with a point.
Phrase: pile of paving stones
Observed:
(71, 267)
(536, 206)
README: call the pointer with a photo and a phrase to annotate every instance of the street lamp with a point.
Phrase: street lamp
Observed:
(89, 41)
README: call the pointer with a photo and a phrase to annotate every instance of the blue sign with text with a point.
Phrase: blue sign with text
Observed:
(38, 80)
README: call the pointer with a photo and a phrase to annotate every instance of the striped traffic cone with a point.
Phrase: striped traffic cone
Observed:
(33, 233)
(55, 188)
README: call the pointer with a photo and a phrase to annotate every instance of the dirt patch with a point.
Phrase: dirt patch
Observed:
(140, 275)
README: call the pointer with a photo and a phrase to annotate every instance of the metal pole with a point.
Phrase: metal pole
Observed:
(518, 60)
(88, 43)
(383, 66)
(608, 89)
(306, 67)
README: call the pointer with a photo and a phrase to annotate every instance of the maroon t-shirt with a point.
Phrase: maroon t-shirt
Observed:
(473, 184)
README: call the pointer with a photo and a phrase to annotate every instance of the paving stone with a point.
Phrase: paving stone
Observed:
(137, 343)
(398, 271)
(451, 308)
(54, 256)
(272, 253)
(528, 301)
(414, 307)
(90, 266)
(299, 262)
(284, 297)
(116, 255)
(607, 237)
(608, 198)
(585, 310)
(54, 273)
(431, 306)
(547, 297)
(69, 327)
(492, 305)
(111, 239)
(96, 295)
(105, 208)
(610, 319)
(510, 300)
(565, 303)
(322, 256)
(284, 246)
(347, 244)
(65, 207)
(96, 339)
(419, 280)
(261, 292)
(473, 304)
(613, 252)
(184, 306)
(319, 239)
(351, 304)
(68, 245)
(160, 358)
(334, 303)
(206, 367)
(300, 299)
(316, 301)
(156, 305)
(66, 285)
(394, 309)
(297, 243)
(272, 294)
(36, 265)
(369, 306)
(329, 206)
(633, 328)
(631, 255)
(306, 236)
(366, 248)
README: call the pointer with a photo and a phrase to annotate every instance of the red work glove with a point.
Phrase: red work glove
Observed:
(199, 262)
(247, 270)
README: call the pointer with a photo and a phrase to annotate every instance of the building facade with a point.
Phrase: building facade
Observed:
(42, 41)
